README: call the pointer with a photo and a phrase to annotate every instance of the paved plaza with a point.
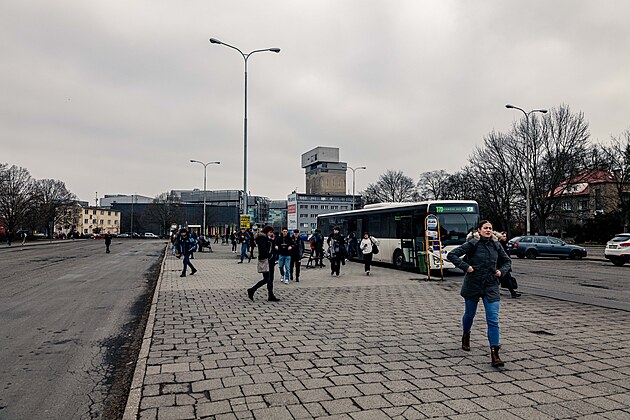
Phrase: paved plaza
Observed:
(377, 347)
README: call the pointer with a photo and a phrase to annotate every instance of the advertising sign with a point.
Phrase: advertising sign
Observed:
(245, 221)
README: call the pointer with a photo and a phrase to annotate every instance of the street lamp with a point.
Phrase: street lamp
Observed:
(205, 166)
(353, 174)
(527, 181)
(245, 58)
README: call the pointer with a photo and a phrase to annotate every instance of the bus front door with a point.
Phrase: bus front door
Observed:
(406, 256)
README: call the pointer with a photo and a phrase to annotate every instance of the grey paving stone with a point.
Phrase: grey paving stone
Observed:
(343, 405)
(313, 395)
(273, 413)
(176, 413)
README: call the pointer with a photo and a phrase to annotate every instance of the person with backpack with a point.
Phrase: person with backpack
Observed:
(186, 245)
(336, 248)
(368, 247)
(318, 247)
(485, 263)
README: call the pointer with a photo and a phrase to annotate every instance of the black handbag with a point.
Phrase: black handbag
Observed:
(374, 247)
(508, 280)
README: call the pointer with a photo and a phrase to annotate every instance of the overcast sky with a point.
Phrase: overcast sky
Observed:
(117, 96)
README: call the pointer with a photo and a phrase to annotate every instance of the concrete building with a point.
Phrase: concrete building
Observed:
(325, 174)
(277, 214)
(98, 220)
(303, 209)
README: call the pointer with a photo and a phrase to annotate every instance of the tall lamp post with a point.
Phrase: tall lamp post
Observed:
(527, 181)
(205, 166)
(354, 170)
(245, 58)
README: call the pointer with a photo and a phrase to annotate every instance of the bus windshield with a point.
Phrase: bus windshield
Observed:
(455, 227)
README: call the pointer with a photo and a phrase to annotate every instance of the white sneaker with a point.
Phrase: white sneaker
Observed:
(367, 272)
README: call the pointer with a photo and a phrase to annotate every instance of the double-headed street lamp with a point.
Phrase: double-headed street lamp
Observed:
(527, 180)
(245, 58)
(354, 170)
(205, 166)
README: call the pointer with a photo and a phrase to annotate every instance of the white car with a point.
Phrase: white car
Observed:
(151, 235)
(618, 249)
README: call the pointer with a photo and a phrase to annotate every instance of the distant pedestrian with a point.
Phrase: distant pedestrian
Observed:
(264, 242)
(317, 240)
(252, 244)
(23, 238)
(233, 239)
(8, 233)
(296, 255)
(336, 250)
(366, 246)
(486, 262)
(283, 246)
(243, 239)
(216, 239)
(507, 279)
(186, 245)
(108, 242)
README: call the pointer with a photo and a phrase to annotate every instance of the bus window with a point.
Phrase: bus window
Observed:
(456, 227)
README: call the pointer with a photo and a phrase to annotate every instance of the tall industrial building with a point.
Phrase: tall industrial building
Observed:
(324, 173)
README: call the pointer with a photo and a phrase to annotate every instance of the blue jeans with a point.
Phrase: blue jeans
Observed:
(243, 251)
(284, 264)
(492, 318)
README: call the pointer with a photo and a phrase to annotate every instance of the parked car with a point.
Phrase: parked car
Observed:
(98, 236)
(123, 235)
(544, 246)
(150, 235)
(618, 249)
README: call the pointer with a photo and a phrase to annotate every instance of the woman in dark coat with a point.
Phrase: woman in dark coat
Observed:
(485, 263)
(264, 242)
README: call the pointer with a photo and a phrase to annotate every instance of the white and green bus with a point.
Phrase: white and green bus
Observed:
(399, 227)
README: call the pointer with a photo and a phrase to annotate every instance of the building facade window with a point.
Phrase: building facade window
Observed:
(85, 221)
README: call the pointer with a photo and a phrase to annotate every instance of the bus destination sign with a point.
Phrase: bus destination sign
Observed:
(454, 209)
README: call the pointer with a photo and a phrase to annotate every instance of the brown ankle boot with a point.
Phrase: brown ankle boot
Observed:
(494, 355)
(466, 341)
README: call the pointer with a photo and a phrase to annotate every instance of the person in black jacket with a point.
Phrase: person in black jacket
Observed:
(336, 248)
(264, 242)
(508, 276)
(284, 246)
(186, 246)
(486, 262)
(296, 255)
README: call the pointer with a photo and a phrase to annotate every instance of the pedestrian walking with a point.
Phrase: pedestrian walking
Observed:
(368, 245)
(336, 250)
(296, 255)
(185, 247)
(243, 239)
(252, 244)
(216, 239)
(486, 262)
(318, 246)
(264, 242)
(108, 242)
(23, 238)
(283, 245)
(507, 279)
(233, 239)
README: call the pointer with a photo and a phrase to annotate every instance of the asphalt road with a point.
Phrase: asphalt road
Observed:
(593, 280)
(66, 310)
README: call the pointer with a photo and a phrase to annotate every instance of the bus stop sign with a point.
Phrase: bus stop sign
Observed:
(432, 222)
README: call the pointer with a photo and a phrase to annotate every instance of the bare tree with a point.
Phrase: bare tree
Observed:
(16, 192)
(432, 185)
(164, 210)
(616, 158)
(392, 186)
(552, 153)
(50, 195)
(494, 180)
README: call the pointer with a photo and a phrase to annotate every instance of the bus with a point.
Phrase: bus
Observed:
(399, 228)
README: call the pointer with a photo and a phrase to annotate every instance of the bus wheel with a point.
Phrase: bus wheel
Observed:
(399, 259)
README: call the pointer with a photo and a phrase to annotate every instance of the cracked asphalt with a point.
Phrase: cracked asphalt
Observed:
(68, 315)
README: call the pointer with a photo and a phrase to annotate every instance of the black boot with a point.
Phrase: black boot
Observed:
(516, 294)
(250, 294)
(273, 299)
(494, 355)
(466, 341)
